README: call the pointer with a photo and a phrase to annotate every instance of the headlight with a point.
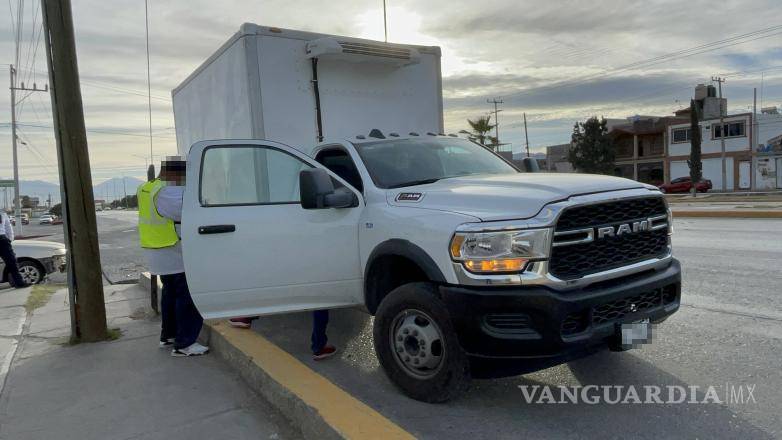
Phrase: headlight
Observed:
(500, 252)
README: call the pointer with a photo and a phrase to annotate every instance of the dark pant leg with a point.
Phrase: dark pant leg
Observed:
(168, 307)
(188, 320)
(9, 258)
(320, 320)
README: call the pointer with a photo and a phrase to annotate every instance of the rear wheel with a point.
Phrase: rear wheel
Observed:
(417, 345)
(32, 272)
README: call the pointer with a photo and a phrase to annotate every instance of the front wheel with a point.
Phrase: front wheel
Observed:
(32, 272)
(417, 345)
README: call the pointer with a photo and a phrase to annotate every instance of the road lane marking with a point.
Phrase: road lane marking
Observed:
(344, 413)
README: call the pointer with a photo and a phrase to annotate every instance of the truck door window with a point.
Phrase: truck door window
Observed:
(340, 163)
(251, 175)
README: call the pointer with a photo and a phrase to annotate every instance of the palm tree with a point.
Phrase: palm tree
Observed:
(480, 128)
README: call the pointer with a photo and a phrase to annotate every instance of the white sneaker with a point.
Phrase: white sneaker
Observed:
(167, 343)
(194, 349)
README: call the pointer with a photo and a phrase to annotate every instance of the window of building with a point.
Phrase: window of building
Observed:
(733, 129)
(681, 135)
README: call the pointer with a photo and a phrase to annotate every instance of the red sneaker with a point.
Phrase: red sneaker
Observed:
(325, 353)
(240, 322)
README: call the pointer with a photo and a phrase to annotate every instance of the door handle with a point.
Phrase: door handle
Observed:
(216, 229)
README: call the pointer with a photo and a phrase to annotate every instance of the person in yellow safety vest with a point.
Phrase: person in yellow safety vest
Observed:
(159, 214)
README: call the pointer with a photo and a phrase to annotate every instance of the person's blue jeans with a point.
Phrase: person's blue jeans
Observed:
(320, 320)
(180, 318)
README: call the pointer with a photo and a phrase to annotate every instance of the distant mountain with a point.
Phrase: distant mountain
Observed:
(38, 188)
(113, 188)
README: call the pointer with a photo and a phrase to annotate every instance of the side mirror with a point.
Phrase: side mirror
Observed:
(530, 165)
(317, 191)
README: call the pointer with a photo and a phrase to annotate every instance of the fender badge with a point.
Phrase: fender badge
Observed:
(409, 197)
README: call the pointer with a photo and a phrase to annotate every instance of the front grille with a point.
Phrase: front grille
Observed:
(577, 260)
(617, 310)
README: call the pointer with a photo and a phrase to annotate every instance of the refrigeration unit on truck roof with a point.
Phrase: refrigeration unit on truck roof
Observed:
(298, 87)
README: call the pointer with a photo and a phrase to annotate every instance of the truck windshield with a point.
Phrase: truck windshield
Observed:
(396, 163)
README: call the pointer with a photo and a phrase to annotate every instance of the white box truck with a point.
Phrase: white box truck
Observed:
(470, 267)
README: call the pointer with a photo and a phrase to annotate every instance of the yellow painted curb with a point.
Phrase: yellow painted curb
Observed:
(729, 214)
(344, 413)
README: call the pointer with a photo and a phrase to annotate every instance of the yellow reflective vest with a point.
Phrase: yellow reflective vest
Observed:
(154, 230)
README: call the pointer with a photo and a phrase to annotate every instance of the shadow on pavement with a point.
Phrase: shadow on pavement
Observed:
(496, 409)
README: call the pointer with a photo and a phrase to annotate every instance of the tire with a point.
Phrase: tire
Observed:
(417, 345)
(32, 272)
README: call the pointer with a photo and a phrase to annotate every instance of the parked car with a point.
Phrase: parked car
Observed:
(12, 219)
(25, 219)
(37, 259)
(46, 219)
(684, 185)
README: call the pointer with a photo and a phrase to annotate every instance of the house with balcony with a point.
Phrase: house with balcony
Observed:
(640, 148)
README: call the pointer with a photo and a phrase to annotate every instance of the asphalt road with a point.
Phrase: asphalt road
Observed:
(121, 258)
(727, 334)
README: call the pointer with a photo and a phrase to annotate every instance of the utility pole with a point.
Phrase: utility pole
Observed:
(14, 87)
(125, 191)
(149, 81)
(85, 282)
(496, 102)
(526, 137)
(754, 135)
(385, 22)
(723, 133)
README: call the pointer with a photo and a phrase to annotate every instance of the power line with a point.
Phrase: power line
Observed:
(696, 50)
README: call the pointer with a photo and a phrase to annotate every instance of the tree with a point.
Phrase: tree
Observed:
(56, 210)
(26, 202)
(480, 128)
(591, 150)
(695, 164)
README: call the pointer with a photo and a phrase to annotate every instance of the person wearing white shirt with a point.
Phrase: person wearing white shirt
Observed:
(7, 252)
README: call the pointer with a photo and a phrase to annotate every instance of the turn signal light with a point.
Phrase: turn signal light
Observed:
(493, 266)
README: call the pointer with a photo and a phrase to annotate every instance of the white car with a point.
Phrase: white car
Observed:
(46, 219)
(37, 259)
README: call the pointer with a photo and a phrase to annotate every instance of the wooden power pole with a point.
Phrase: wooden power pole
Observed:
(88, 310)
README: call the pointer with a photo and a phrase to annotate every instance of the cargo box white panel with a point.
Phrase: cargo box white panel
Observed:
(259, 85)
(214, 104)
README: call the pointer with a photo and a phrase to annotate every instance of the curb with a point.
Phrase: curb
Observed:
(313, 404)
(728, 214)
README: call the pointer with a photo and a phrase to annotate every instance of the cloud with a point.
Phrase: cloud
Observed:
(552, 60)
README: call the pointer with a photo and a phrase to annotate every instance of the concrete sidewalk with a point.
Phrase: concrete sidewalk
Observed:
(121, 389)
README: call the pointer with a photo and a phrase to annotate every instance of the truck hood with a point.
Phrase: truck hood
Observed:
(22, 245)
(505, 196)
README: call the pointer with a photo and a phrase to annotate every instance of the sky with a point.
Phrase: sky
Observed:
(557, 61)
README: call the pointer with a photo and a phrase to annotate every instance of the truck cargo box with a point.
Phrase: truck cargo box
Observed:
(261, 84)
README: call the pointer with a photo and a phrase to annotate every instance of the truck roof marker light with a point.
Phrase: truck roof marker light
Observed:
(361, 136)
(377, 134)
(412, 133)
(275, 30)
(396, 135)
(431, 134)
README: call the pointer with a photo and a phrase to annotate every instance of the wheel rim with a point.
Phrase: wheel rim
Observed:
(417, 343)
(30, 274)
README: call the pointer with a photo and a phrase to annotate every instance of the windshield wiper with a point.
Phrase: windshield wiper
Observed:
(415, 182)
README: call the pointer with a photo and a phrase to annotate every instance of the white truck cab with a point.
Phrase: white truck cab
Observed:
(470, 267)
